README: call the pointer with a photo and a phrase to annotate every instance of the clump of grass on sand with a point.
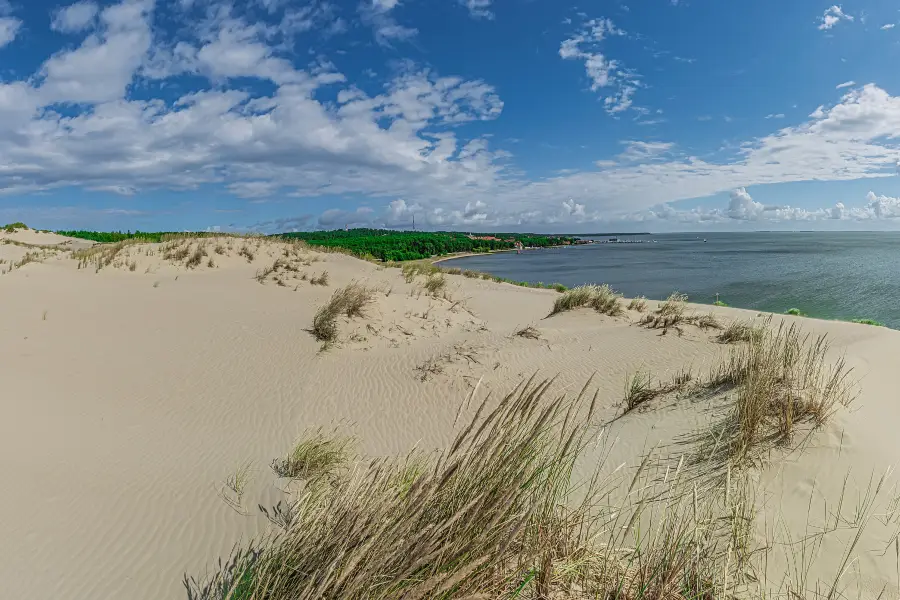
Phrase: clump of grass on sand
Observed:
(640, 389)
(601, 298)
(782, 379)
(529, 332)
(639, 304)
(435, 284)
(235, 485)
(320, 279)
(673, 313)
(795, 312)
(316, 455)
(350, 300)
(738, 331)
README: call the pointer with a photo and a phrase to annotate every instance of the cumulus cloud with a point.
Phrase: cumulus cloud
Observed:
(9, 28)
(832, 17)
(602, 71)
(75, 17)
(887, 26)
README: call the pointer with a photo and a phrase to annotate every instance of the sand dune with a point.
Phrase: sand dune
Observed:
(134, 384)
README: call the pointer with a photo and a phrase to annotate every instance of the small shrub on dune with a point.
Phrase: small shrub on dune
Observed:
(599, 297)
(795, 312)
(315, 456)
(453, 271)
(247, 253)
(558, 287)
(471, 274)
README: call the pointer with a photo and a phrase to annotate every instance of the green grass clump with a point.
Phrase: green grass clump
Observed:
(601, 298)
(719, 303)
(795, 312)
(350, 300)
(314, 456)
(868, 322)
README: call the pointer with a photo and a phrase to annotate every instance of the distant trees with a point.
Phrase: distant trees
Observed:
(383, 244)
(388, 245)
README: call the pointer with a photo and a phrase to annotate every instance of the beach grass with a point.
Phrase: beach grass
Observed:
(796, 312)
(782, 379)
(639, 304)
(316, 455)
(738, 331)
(350, 300)
(601, 298)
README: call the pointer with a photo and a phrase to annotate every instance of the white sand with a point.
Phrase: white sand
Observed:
(128, 397)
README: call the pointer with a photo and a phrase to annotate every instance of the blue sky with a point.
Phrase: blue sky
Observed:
(538, 115)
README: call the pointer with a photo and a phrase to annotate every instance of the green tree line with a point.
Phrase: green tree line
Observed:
(390, 245)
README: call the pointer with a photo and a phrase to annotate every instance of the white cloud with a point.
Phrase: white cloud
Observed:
(775, 116)
(602, 71)
(479, 9)
(887, 26)
(845, 85)
(377, 14)
(9, 28)
(742, 206)
(75, 17)
(640, 151)
(832, 17)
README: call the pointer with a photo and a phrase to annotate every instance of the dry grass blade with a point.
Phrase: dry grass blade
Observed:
(738, 331)
(639, 304)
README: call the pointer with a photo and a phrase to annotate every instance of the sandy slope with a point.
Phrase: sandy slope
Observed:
(130, 393)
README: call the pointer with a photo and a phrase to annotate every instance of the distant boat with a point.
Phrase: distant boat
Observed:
(704, 241)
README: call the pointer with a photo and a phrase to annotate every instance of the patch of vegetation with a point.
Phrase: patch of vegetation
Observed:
(314, 456)
(435, 284)
(601, 298)
(388, 245)
(738, 331)
(12, 227)
(350, 300)
(868, 322)
(795, 312)
(639, 304)
(782, 380)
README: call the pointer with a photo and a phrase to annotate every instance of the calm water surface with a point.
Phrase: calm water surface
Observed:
(829, 275)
